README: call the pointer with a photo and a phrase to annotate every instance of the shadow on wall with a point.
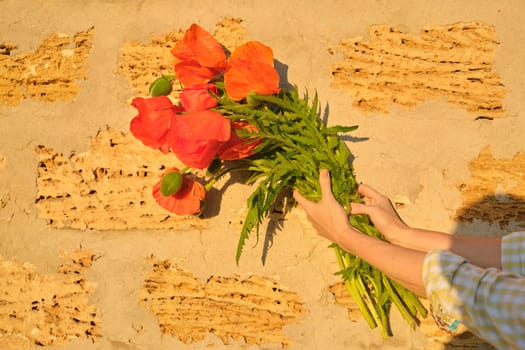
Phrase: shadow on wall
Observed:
(493, 216)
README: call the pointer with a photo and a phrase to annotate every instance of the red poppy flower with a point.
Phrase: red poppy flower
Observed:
(198, 57)
(153, 123)
(237, 147)
(199, 97)
(197, 136)
(187, 200)
(250, 69)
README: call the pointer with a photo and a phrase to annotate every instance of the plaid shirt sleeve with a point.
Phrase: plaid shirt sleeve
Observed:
(490, 302)
(513, 253)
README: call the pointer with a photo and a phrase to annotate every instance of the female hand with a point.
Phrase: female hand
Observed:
(327, 216)
(381, 212)
(330, 220)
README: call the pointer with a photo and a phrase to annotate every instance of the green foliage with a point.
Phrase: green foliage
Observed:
(296, 145)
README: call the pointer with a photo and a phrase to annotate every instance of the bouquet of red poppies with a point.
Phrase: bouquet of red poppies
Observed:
(232, 115)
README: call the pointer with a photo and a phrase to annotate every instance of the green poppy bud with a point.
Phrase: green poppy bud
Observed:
(214, 166)
(161, 86)
(171, 183)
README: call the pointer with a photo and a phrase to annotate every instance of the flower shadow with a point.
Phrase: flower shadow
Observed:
(282, 205)
(274, 221)
(214, 195)
(213, 203)
(282, 70)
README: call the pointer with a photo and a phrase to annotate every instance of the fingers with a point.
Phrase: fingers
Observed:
(358, 208)
(326, 191)
(371, 198)
(367, 191)
(325, 183)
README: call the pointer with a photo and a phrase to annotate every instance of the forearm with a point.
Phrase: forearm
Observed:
(402, 264)
(481, 251)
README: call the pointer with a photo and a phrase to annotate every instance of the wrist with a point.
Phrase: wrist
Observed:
(400, 235)
(346, 238)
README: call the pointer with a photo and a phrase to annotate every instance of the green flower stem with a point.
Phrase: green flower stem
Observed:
(218, 175)
(352, 290)
(409, 298)
(383, 306)
(208, 186)
(374, 307)
(399, 304)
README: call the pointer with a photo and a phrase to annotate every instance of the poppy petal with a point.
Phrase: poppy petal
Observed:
(153, 122)
(196, 153)
(199, 57)
(253, 51)
(207, 50)
(197, 136)
(250, 68)
(246, 77)
(237, 147)
(186, 201)
(202, 125)
(199, 97)
(191, 73)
